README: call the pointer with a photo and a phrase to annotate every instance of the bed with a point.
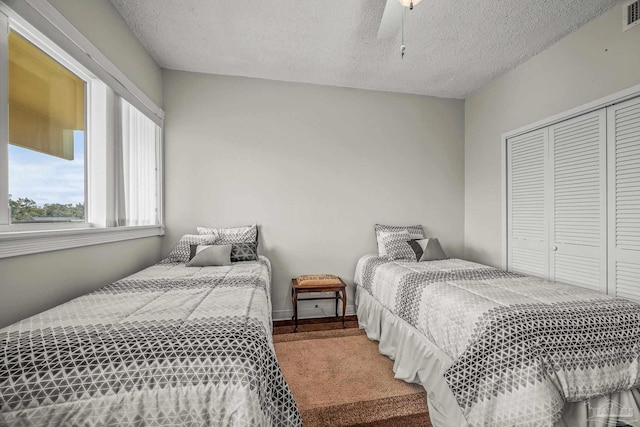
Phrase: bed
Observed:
(170, 345)
(494, 348)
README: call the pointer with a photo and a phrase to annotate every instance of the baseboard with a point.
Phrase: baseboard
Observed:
(310, 312)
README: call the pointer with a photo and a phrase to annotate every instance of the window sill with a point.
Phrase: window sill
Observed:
(31, 242)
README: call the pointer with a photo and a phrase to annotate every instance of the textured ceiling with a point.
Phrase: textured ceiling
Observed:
(454, 47)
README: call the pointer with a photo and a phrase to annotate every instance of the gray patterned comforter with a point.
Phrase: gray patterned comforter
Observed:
(170, 345)
(520, 346)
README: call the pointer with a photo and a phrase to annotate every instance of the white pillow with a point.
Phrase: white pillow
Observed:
(246, 234)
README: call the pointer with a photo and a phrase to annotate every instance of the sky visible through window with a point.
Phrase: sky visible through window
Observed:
(47, 179)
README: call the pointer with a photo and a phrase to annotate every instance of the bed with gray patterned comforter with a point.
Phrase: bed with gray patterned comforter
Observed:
(519, 346)
(170, 345)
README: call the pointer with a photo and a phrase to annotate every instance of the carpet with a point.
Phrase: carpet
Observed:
(338, 377)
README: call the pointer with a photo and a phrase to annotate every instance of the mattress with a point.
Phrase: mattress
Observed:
(170, 345)
(513, 349)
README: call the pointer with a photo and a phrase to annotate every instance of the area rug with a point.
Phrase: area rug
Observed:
(339, 378)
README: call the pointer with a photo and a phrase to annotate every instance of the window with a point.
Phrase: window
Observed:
(46, 137)
(138, 195)
(46, 188)
(80, 146)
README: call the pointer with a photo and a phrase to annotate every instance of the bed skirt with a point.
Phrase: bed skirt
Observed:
(418, 360)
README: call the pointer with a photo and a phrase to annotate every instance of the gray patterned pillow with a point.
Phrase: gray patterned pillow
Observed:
(415, 231)
(245, 234)
(397, 245)
(182, 251)
(244, 252)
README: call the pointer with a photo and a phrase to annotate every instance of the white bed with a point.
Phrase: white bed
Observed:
(430, 317)
(170, 345)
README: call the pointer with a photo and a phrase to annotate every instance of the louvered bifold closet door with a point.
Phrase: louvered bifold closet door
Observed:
(526, 182)
(624, 199)
(578, 223)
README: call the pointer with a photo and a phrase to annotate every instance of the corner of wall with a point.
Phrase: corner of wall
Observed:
(586, 65)
(100, 22)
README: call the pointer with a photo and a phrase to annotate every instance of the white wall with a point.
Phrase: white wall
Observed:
(32, 283)
(316, 167)
(593, 62)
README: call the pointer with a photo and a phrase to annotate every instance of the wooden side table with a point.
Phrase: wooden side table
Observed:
(338, 289)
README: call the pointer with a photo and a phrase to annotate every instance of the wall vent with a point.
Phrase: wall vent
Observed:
(631, 14)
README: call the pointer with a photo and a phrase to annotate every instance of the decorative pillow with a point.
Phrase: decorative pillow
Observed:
(209, 255)
(245, 234)
(183, 249)
(397, 246)
(244, 252)
(415, 231)
(427, 249)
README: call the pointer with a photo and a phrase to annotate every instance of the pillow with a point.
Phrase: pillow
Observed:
(244, 252)
(209, 255)
(415, 232)
(396, 245)
(183, 249)
(245, 234)
(427, 250)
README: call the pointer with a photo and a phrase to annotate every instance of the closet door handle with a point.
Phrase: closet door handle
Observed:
(555, 248)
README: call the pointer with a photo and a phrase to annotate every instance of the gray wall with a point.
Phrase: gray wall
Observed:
(32, 283)
(593, 62)
(316, 167)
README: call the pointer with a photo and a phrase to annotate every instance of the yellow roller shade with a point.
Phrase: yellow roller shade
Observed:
(46, 100)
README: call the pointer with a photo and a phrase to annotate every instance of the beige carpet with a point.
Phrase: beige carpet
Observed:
(339, 378)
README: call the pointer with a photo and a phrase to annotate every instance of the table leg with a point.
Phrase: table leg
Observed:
(295, 311)
(344, 305)
(337, 296)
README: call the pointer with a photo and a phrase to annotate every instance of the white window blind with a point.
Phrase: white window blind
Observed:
(137, 163)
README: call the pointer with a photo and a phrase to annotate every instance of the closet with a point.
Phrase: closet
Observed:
(623, 137)
(573, 201)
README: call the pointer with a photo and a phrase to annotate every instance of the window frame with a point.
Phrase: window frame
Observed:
(4, 115)
(98, 226)
(91, 82)
(118, 101)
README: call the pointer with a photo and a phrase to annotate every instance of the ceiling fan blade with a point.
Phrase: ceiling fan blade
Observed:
(391, 19)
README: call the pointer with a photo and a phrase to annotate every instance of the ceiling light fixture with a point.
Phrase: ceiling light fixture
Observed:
(409, 4)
